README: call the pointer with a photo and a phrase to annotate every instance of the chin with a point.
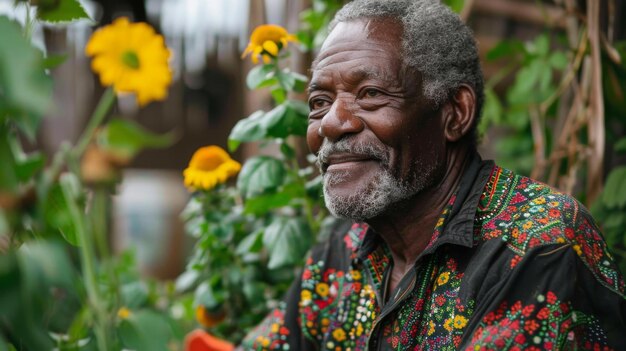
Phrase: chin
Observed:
(367, 200)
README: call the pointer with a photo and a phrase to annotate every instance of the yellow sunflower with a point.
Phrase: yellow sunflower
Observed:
(266, 41)
(209, 166)
(132, 58)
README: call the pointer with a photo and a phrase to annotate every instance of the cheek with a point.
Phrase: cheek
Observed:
(313, 138)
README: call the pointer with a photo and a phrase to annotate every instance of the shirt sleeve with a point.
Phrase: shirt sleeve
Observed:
(280, 330)
(563, 296)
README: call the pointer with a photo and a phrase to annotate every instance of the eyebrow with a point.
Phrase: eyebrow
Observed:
(357, 75)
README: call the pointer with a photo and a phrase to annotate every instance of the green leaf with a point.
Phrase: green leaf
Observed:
(523, 90)
(505, 48)
(261, 76)
(558, 60)
(614, 193)
(620, 146)
(292, 81)
(540, 46)
(185, 281)
(50, 260)
(455, 5)
(62, 11)
(287, 240)
(260, 205)
(27, 167)
(25, 89)
(259, 175)
(291, 118)
(287, 150)
(145, 330)
(58, 215)
(247, 129)
(127, 138)
(53, 61)
(279, 94)
(252, 243)
(492, 111)
(205, 296)
(8, 176)
(134, 294)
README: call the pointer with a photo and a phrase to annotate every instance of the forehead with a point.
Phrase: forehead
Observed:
(362, 48)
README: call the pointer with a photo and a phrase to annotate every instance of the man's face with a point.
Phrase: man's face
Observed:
(377, 139)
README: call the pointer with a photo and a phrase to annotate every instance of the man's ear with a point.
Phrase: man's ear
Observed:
(460, 113)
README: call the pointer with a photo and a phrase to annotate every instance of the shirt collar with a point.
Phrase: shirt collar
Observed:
(458, 228)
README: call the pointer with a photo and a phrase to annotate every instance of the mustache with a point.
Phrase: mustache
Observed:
(352, 146)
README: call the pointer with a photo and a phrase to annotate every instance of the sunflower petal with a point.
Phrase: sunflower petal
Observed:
(271, 47)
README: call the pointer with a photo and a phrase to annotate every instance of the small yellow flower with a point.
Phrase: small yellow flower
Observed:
(322, 289)
(579, 252)
(527, 225)
(359, 329)
(275, 327)
(356, 275)
(339, 335)
(123, 313)
(305, 296)
(132, 58)
(448, 324)
(264, 341)
(460, 322)
(266, 41)
(431, 328)
(443, 278)
(209, 166)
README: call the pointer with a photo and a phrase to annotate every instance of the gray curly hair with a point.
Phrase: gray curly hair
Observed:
(435, 42)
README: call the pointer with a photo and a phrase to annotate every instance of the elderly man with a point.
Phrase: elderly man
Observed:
(448, 252)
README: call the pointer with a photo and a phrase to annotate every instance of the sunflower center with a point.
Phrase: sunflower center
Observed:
(209, 163)
(130, 59)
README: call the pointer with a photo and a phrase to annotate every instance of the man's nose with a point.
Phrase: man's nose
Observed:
(340, 120)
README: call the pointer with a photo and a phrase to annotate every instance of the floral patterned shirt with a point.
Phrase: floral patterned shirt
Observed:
(512, 265)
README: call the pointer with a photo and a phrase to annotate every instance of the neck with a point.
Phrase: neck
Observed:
(408, 227)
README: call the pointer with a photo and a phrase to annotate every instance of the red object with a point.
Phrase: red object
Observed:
(199, 340)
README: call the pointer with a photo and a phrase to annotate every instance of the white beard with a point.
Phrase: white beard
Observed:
(380, 194)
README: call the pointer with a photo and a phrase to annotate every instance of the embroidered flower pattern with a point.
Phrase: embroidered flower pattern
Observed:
(530, 214)
(548, 324)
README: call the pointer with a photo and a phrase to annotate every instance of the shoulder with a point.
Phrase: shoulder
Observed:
(528, 215)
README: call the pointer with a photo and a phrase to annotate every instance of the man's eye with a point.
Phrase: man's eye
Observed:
(370, 92)
(316, 104)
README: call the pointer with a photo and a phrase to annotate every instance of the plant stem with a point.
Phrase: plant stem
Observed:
(99, 217)
(30, 23)
(87, 261)
(104, 105)
(308, 207)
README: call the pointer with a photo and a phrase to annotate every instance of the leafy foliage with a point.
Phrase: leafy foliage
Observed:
(536, 67)
(25, 89)
(55, 292)
(252, 238)
(60, 11)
